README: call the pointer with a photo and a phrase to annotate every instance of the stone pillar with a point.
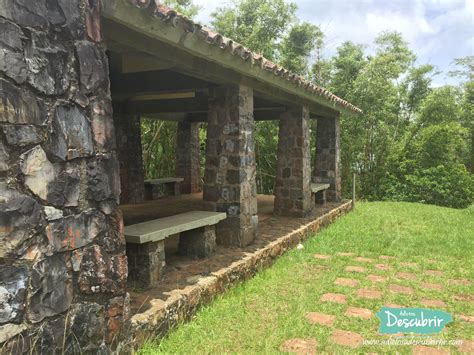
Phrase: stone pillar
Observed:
(326, 168)
(146, 263)
(198, 243)
(63, 269)
(293, 181)
(129, 147)
(229, 182)
(187, 156)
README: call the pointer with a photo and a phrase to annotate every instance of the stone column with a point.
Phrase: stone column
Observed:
(129, 147)
(326, 168)
(187, 157)
(229, 183)
(293, 181)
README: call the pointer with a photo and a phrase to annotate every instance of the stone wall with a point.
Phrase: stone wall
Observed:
(63, 268)
(293, 180)
(229, 181)
(187, 157)
(326, 167)
(129, 150)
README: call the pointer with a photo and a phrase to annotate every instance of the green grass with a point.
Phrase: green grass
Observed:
(258, 315)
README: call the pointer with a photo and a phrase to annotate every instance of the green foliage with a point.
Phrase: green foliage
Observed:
(158, 148)
(257, 24)
(266, 143)
(186, 7)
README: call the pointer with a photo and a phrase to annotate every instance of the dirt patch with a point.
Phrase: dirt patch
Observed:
(299, 346)
(460, 282)
(464, 298)
(364, 260)
(334, 297)
(405, 276)
(377, 278)
(346, 338)
(465, 318)
(467, 346)
(322, 256)
(341, 281)
(432, 286)
(383, 267)
(356, 269)
(405, 290)
(408, 264)
(427, 350)
(434, 273)
(320, 318)
(359, 312)
(369, 294)
(433, 303)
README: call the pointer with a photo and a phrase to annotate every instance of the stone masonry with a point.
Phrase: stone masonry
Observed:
(129, 147)
(293, 181)
(63, 269)
(229, 183)
(326, 168)
(187, 157)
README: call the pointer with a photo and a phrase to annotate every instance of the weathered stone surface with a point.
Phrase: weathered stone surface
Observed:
(433, 303)
(198, 243)
(21, 135)
(341, 281)
(129, 150)
(47, 65)
(75, 231)
(187, 156)
(25, 12)
(102, 125)
(346, 338)
(293, 180)
(100, 272)
(92, 69)
(38, 171)
(227, 189)
(103, 179)
(146, 263)
(71, 134)
(355, 269)
(52, 213)
(8, 331)
(401, 289)
(86, 329)
(13, 284)
(117, 314)
(50, 288)
(369, 294)
(64, 190)
(19, 106)
(359, 312)
(12, 62)
(326, 169)
(66, 15)
(20, 213)
(4, 156)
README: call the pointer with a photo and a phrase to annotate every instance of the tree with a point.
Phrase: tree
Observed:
(186, 7)
(257, 24)
(297, 45)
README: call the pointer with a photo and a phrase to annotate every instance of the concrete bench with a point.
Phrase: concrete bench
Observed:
(146, 242)
(156, 188)
(319, 190)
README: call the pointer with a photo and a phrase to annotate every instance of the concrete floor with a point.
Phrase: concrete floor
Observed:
(182, 271)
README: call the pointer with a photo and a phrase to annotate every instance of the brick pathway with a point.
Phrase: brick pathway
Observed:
(381, 278)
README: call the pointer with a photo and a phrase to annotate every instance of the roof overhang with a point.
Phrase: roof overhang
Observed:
(143, 25)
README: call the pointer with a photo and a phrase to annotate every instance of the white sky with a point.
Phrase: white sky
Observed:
(437, 30)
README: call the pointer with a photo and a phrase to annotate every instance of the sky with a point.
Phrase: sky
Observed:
(437, 30)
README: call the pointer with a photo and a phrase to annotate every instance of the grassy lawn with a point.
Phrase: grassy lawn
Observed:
(260, 314)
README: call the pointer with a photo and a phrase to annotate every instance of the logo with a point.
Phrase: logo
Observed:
(412, 320)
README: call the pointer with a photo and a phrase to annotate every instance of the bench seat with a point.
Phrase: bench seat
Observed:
(319, 191)
(146, 243)
(159, 229)
(163, 181)
(157, 188)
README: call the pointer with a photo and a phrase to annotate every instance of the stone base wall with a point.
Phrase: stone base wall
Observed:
(188, 157)
(326, 168)
(63, 269)
(293, 181)
(230, 164)
(129, 147)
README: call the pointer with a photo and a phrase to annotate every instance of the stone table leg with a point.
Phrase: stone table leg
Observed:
(198, 243)
(146, 263)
